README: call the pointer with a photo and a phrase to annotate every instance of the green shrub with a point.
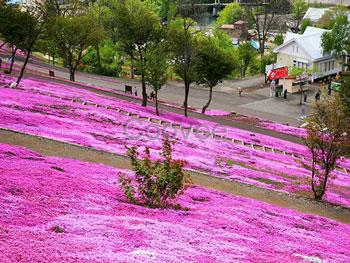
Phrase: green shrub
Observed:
(155, 183)
(278, 39)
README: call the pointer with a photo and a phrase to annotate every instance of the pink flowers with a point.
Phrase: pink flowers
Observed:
(38, 193)
(58, 111)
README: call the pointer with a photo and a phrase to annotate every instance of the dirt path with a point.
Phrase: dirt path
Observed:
(55, 148)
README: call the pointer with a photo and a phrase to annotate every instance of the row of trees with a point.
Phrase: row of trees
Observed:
(136, 29)
(70, 33)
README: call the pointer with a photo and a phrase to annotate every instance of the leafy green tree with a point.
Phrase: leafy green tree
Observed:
(230, 14)
(34, 19)
(278, 39)
(299, 7)
(336, 15)
(304, 24)
(155, 183)
(49, 47)
(345, 93)
(168, 10)
(156, 72)
(137, 28)
(110, 59)
(246, 55)
(73, 36)
(100, 12)
(183, 46)
(222, 40)
(267, 60)
(213, 64)
(327, 137)
(11, 20)
(337, 41)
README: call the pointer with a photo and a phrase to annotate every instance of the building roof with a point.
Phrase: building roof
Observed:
(310, 42)
(314, 14)
(239, 22)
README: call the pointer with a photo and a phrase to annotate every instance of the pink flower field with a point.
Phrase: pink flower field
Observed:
(60, 210)
(58, 111)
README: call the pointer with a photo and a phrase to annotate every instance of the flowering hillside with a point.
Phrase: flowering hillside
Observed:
(85, 118)
(60, 210)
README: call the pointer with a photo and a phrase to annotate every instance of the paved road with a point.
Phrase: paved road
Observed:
(254, 102)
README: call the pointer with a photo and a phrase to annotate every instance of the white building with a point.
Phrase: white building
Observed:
(315, 14)
(305, 51)
(329, 2)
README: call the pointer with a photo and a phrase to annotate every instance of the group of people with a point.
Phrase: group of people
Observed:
(275, 92)
(152, 95)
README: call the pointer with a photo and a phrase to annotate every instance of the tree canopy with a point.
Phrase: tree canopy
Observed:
(230, 14)
(137, 28)
(213, 64)
(183, 50)
(73, 36)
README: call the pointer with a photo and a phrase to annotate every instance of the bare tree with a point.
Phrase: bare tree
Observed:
(328, 135)
(263, 16)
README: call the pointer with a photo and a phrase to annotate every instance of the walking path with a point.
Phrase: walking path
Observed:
(56, 148)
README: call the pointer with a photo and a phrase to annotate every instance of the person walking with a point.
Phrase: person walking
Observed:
(240, 91)
(135, 92)
(329, 86)
(272, 88)
(318, 95)
(285, 93)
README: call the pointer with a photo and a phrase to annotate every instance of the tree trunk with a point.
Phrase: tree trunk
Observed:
(157, 110)
(317, 196)
(132, 68)
(98, 58)
(144, 88)
(71, 74)
(301, 94)
(144, 91)
(209, 100)
(23, 67)
(187, 91)
(14, 50)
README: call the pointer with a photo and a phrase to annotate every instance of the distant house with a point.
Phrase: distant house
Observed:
(315, 14)
(305, 51)
(238, 31)
(329, 2)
